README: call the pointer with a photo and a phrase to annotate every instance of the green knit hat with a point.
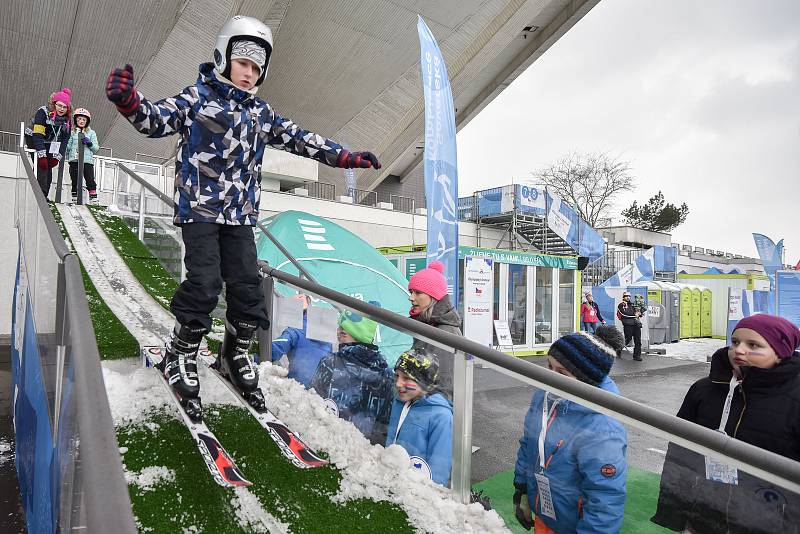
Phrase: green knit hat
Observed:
(361, 328)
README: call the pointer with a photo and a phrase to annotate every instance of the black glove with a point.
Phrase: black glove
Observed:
(121, 91)
(357, 160)
(522, 509)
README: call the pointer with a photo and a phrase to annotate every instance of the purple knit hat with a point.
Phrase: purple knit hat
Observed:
(782, 335)
(430, 281)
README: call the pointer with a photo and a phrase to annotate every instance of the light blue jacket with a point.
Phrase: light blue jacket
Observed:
(426, 434)
(304, 354)
(88, 152)
(587, 469)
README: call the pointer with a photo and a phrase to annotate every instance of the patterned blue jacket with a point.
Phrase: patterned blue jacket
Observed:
(360, 385)
(224, 132)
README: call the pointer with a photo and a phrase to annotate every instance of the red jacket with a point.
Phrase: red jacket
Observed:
(590, 313)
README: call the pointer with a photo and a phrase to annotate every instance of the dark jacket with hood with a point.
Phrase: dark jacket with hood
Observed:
(444, 317)
(765, 412)
(358, 385)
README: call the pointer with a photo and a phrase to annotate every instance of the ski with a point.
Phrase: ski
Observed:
(290, 445)
(219, 463)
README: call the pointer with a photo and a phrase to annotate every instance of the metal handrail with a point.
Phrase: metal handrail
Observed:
(154, 190)
(107, 505)
(751, 459)
(60, 246)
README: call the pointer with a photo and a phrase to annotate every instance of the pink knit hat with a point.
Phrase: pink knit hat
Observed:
(430, 281)
(63, 96)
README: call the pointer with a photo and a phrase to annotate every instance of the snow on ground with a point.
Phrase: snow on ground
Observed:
(697, 349)
(367, 470)
(6, 451)
(150, 477)
(252, 516)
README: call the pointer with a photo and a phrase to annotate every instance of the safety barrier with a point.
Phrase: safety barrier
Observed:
(68, 463)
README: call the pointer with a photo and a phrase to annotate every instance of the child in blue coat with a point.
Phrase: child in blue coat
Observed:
(224, 130)
(421, 421)
(578, 485)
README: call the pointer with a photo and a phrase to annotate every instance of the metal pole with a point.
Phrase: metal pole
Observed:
(265, 336)
(114, 192)
(79, 178)
(461, 470)
(59, 181)
(141, 215)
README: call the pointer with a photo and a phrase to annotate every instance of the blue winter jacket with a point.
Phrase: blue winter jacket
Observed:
(426, 434)
(360, 384)
(224, 132)
(304, 354)
(587, 469)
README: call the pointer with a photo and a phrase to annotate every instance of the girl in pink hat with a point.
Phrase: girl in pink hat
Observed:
(431, 304)
(47, 135)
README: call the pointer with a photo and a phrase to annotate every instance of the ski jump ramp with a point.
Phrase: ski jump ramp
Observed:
(144, 318)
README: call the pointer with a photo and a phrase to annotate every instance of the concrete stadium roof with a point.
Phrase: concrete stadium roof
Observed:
(346, 69)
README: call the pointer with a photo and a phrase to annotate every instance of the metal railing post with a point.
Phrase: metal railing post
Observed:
(114, 193)
(79, 178)
(265, 336)
(461, 470)
(141, 215)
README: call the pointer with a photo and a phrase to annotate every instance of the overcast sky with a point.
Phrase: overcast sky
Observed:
(702, 97)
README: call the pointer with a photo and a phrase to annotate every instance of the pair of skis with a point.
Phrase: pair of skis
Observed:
(219, 463)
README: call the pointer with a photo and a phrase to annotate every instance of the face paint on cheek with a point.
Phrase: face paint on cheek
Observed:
(407, 387)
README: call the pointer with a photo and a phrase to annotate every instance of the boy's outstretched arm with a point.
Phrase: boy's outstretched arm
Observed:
(286, 135)
(158, 119)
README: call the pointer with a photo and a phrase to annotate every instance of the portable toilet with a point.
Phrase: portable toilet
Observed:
(673, 297)
(686, 312)
(705, 313)
(696, 311)
(663, 310)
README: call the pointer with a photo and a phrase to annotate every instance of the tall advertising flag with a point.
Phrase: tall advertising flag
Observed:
(441, 171)
(771, 255)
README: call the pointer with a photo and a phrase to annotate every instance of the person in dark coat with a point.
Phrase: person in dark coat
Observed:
(48, 133)
(431, 304)
(631, 324)
(760, 374)
(356, 382)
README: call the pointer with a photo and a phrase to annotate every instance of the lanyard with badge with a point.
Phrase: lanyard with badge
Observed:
(718, 471)
(542, 482)
(55, 145)
(403, 414)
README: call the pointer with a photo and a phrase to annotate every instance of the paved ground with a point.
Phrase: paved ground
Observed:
(500, 405)
(11, 516)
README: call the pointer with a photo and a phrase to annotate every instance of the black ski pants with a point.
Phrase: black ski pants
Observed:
(88, 177)
(217, 253)
(634, 331)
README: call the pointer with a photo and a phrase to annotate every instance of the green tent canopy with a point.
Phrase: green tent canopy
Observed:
(338, 259)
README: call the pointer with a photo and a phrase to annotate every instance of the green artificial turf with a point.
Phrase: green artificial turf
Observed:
(640, 503)
(144, 266)
(295, 496)
(113, 339)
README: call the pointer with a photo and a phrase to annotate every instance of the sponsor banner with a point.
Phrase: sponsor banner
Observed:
(478, 299)
(503, 333)
(744, 303)
(522, 258)
(787, 288)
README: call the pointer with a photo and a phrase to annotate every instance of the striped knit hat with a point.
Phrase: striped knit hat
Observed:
(589, 357)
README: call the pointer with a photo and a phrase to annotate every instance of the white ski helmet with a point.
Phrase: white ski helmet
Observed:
(83, 112)
(241, 28)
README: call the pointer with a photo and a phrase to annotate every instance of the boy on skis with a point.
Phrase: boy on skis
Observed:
(224, 129)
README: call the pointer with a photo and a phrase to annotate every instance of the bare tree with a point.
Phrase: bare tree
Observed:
(589, 182)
